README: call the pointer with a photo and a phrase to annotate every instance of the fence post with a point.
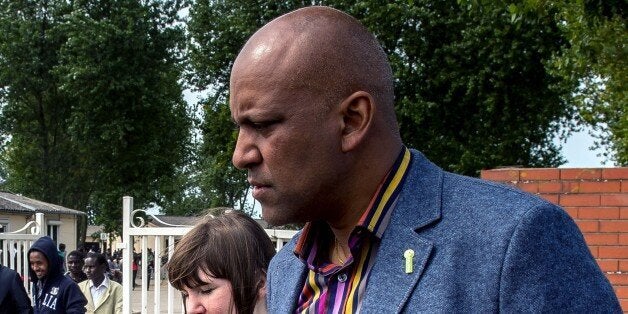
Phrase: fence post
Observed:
(127, 253)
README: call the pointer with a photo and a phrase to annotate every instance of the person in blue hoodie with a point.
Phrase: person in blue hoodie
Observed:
(52, 291)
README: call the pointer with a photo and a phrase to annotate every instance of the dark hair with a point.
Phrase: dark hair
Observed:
(232, 246)
(62, 246)
(78, 254)
(99, 258)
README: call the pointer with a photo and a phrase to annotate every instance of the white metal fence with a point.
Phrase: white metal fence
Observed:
(162, 240)
(15, 245)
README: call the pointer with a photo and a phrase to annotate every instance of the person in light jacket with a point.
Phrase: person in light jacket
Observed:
(104, 296)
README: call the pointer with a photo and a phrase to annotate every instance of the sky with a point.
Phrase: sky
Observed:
(576, 151)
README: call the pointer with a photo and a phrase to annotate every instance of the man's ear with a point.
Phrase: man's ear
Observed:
(357, 112)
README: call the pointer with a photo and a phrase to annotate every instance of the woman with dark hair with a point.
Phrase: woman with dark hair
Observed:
(220, 265)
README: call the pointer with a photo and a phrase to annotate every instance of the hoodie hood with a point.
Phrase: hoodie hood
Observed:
(46, 246)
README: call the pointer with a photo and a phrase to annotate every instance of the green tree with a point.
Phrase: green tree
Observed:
(37, 158)
(473, 88)
(121, 67)
(598, 58)
(103, 95)
(472, 85)
(217, 31)
(37, 154)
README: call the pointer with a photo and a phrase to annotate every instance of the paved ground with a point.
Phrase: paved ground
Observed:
(136, 296)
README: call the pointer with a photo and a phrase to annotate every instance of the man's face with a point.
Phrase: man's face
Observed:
(93, 270)
(38, 263)
(287, 140)
(75, 264)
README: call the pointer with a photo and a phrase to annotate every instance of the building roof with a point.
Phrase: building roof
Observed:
(10, 202)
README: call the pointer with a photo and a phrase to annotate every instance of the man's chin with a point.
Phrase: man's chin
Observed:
(276, 217)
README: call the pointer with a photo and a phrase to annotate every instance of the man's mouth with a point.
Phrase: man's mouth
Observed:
(258, 188)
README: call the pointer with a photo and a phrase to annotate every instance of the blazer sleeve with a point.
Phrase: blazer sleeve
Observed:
(549, 268)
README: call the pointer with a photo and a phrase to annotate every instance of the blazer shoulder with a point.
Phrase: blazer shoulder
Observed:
(83, 285)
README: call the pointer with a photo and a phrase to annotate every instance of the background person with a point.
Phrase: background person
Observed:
(52, 291)
(62, 255)
(104, 296)
(135, 267)
(228, 256)
(75, 266)
(387, 230)
(13, 296)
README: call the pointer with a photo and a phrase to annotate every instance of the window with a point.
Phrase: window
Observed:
(52, 229)
(4, 225)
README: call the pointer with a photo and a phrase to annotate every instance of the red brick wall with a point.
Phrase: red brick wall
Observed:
(596, 198)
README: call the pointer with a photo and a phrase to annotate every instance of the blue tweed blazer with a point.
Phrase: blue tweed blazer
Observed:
(479, 246)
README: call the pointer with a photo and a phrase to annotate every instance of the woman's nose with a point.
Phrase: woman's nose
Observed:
(192, 305)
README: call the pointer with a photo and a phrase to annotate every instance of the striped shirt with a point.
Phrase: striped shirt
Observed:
(332, 288)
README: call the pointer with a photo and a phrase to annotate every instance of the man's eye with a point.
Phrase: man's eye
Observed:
(260, 125)
(207, 291)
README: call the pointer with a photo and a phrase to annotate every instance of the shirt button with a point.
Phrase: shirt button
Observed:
(342, 277)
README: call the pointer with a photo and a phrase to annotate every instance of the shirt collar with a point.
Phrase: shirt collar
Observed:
(375, 217)
(104, 283)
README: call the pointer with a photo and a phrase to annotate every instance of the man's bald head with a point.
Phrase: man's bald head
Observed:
(324, 51)
(312, 92)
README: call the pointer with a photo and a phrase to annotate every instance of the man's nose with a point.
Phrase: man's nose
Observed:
(246, 153)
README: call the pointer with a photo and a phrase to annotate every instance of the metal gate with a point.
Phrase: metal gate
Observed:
(162, 240)
(15, 245)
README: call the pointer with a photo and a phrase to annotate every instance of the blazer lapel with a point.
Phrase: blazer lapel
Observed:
(88, 295)
(103, 298)
(286, 299)
(389, 285)
(388, 279)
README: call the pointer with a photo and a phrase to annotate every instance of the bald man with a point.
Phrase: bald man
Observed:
(386, 230)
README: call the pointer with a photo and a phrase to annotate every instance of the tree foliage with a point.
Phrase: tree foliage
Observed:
(113, 113)
(91, 103)
(473, 90)
(598, 58)
(472, 86)
(37, 152)
(217, 31)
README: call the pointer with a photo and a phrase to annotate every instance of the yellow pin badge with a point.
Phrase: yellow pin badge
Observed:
(409, 255)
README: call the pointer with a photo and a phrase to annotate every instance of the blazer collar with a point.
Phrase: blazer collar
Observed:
(90, 300)
(389, 286)
(418, 205)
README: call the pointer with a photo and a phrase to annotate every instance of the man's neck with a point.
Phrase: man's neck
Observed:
(97, 281)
